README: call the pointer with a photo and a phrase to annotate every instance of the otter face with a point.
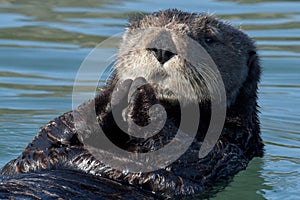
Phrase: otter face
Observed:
(159, 48)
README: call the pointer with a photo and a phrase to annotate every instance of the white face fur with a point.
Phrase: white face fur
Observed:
(189, 70)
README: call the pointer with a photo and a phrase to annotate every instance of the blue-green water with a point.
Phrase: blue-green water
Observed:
(42, 44)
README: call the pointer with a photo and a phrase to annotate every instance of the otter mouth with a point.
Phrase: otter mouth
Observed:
(174, 80)
(158, 75)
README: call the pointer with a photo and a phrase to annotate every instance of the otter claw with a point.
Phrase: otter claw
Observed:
(136, 84)
(121, 92)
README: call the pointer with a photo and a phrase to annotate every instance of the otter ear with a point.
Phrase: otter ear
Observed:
(249, 88)
(253, 66)
(252, 59)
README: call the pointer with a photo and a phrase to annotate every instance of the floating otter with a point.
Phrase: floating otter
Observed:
(59, 162)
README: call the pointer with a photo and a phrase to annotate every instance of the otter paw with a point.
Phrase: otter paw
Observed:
(141, 97)
(135, 108)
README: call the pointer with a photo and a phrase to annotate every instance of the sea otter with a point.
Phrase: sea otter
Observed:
(57, 163)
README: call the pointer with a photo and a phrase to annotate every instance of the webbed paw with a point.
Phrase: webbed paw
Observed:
(135, 108)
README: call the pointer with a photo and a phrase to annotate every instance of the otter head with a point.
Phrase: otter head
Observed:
(174, 51)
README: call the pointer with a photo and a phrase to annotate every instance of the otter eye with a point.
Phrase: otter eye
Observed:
(208, 40)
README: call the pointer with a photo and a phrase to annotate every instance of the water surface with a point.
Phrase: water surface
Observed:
(43, 43)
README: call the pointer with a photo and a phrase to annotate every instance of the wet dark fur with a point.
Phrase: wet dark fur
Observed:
(56, 155)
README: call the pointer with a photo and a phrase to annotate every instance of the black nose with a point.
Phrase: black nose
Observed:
(162, 55)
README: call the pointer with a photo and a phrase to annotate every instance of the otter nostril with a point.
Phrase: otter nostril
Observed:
(162, 55)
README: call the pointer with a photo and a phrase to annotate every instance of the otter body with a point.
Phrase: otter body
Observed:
(57, 153)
